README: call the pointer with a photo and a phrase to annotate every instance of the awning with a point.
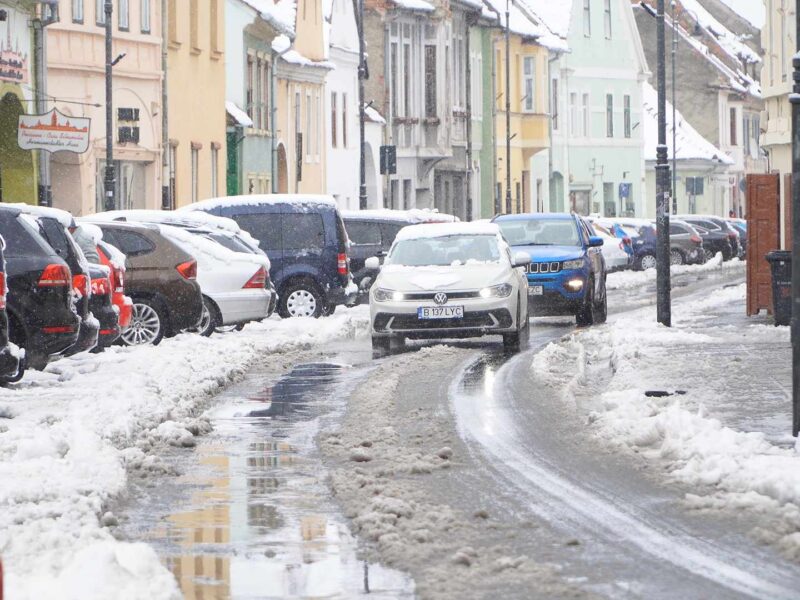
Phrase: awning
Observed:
(237, 114)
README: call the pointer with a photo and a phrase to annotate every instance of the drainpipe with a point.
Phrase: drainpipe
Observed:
(497, 205)
(166, 191)
(468, 93)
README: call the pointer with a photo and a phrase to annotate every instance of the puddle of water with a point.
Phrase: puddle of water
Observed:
(254, 517)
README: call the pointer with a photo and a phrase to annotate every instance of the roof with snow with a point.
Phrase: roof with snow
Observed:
(729, 41)
(237, 114)
(432, 230)
(415, 5)
(280, 13)
(690, 144)
(751, 11)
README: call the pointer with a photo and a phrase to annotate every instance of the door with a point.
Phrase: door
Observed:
(365, 240)
(266, 228)
(763, 231)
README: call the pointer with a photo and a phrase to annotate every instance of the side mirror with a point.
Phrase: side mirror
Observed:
(520, 259)
(373, 263)
(595, 241)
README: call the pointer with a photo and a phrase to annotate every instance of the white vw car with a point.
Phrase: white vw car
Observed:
(449, 280)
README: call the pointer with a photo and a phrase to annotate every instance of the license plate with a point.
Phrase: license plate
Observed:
(536, 290)
(440, 312)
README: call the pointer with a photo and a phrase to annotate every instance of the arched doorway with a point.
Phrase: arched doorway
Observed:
(283, 171)
(370, 178)
(17, 169)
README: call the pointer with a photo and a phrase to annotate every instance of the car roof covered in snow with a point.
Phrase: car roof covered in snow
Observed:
(62, 216)
(259, 199)
(432, 230)
(414, 215)
(527, 216)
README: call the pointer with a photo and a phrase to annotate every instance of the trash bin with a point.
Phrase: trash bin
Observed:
(781, 263)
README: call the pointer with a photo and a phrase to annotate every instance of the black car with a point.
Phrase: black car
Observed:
(10, 367)
(54, 230)
(715, 241)
(102, 307)
(716, 224)
(41, 313)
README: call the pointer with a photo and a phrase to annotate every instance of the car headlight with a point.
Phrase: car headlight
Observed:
(572, 264)
(382, 295)
(497, 291)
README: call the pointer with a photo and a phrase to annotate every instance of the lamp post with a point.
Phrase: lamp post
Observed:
(109, 178)
(674, 115)
(508, 109)
(794, 98)
(362, 75)
(663, 308)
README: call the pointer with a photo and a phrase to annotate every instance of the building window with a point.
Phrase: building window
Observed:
(746, 135)
(407, 79)
(430, 81)
(627, 116)
(771, 49)
(145, 17)
(249, 93)
(214, 171)
(266, 96)
(587, 117)
(214, 26)
(607, 18)
(573, 114)
(309, 131)
(317, 124)
(528, 77)
(609, 115)
(194, 37)
(100, 12)
(733, 127)
(77, 11)
(785, 60)
(406, 194)
(554, 107)
(195, 165)
(123, 16)
(172, 15)
(587, 18)
(344, 120)
(257, 95)
(173, 161)
(334, 119)
(394, 88)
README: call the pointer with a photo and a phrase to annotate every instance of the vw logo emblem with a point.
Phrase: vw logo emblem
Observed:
(440, 298)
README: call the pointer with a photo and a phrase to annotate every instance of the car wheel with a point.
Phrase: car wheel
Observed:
(646, 261)
(147, 324)
(17, 376)
(601, 309)
(301, 299)
(707, 255)
(676, 258)
(209, 318)
(380, 346)
(229, 328)
(585, 316)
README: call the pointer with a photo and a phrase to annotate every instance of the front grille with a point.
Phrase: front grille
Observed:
(450, 295)
(543, 267)
(493, 319)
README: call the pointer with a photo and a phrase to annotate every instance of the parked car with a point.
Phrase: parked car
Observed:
(449, 280)
(112, 258)
(714, 242)
(567, 272)
(40, 307)
(614, 249)
(305, 238)
(711, 224)
(740, 226)
(372, 233)
(11, 368)
(102, 307)
(160, 278)
(686, 245)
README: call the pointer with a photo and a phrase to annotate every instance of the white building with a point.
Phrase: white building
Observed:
(341, 111)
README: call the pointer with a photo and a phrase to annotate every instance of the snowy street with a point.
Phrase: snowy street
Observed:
(283, 458)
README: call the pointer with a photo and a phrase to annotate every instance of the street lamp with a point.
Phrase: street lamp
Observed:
(794, 98)
(508, 108)
(663, 308)
(109, 180)
(362, 75)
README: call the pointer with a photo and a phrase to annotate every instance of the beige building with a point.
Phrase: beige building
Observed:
(300, 73)
(196, 91)
(75, 71)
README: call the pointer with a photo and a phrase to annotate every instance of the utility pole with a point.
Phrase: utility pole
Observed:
(674, 115)
(794, 98)
(109, 179)
(47, 16)
(362, 75)
(508, 109)
(663, 302)
(166, 199)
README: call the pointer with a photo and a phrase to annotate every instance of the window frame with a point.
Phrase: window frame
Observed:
(145, 17)
(77, 15)
(529, 105)
(100, 13)
(587, 18)
(609, 115)
(627, 117)
(123, 13)
(607, 21)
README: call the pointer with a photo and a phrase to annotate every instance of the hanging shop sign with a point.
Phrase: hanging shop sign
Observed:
(53, 132)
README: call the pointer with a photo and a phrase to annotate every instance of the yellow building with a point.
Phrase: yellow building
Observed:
(300, 73)
(196, 89)
(529, 114)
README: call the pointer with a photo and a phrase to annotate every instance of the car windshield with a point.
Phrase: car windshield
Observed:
(540, 232)
(446, 250)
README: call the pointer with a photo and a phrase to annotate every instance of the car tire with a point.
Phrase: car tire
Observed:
(229, 328)
(514, 342)
(380, 346)
(708, 255)
(148, 324)
(645, 261)
(16, 377)
(585, 315)
(676, 257)
(209, 319)
(301, 298)
(601, 309)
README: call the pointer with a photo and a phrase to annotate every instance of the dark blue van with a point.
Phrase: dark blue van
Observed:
(305, 240)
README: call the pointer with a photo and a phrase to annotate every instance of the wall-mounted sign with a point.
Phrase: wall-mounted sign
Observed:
(53, 132)
(14, 45)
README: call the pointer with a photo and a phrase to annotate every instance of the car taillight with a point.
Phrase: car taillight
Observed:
(2, 290)
(731, 235)
(101, 286)
(626, 240)
(696, 239)
(188, 270)
(117, 280)
(80, 285)
(257, 281)
(341, 263)
(55, 276)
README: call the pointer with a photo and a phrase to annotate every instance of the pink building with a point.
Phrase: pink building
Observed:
(76, 79)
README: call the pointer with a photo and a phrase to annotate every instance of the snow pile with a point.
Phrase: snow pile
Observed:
(627, 280)
(72, 435)
(606, 371)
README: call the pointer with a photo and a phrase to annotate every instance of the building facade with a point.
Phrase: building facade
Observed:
(75, 79)
(196, 90)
